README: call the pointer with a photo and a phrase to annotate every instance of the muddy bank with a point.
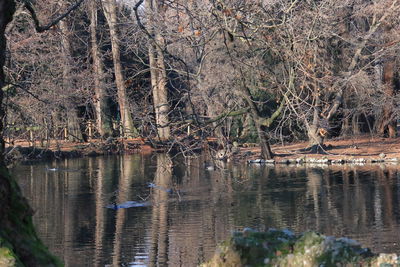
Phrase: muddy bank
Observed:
(23, 151)
(362, 150)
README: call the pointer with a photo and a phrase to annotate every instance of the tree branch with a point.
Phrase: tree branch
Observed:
(268, 121)
(29, 7)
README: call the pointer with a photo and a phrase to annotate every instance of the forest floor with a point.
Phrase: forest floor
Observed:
(365, 147)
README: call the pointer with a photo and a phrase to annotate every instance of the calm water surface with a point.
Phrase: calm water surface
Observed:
(190, 209)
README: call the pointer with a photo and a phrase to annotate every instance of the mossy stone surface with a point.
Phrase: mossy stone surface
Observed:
(283, 248)
(17, 232)
(7, 257)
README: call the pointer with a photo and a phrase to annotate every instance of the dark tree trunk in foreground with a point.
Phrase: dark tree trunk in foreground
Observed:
(17, 232)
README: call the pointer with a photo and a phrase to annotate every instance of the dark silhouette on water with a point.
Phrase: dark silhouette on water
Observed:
(128, 204)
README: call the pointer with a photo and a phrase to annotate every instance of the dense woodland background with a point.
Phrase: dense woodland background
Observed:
(177, 72)
(172, 71)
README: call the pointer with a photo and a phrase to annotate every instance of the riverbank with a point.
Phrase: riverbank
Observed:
(25, 151)
(357, 150)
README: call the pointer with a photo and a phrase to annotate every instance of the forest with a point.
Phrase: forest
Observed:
(178, 72)
(174, 72)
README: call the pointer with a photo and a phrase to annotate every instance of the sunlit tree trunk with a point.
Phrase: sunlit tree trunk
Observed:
(158, 73)
(74, 132)
(314, 130)
(110, 12)
(386, 122)
(103, 116)
(266, 152)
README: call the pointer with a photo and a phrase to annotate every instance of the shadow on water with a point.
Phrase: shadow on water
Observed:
(174, 212)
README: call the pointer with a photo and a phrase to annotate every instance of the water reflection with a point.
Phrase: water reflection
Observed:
(192, 209)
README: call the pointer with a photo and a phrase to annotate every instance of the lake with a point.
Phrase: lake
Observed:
(136, 210)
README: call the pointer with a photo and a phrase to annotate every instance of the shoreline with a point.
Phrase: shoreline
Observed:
(361, 150)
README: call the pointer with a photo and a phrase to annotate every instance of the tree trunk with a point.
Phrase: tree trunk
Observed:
(74, 130)
(17, 232)
(315, 131)
(212, 112)
(158, 75)
(102, 110)
(246, 128)
(266, 152)
(355, 122)
(110, 12)
(316, 139)
(387, 124)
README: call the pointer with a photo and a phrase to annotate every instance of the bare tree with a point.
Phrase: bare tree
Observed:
(110, 12)
(103, 116)
(157, 69)
(73, 125)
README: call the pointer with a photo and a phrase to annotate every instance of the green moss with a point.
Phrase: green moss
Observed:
(18, 232)
(283, 248)
(307, 240)
(7, 257)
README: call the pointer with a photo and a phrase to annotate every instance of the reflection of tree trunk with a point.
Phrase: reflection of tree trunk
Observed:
(361, 202)
(159, 251)
(385, 177)
(103, 120)
(377, 208)
(71, 185)
(333, 212)
(158, 74)
(124, 186)
(347, 209)
(313, 188)
(99, 194)
(260, 197)
(110, 12)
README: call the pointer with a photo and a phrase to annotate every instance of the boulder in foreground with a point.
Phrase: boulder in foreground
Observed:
(284, 248)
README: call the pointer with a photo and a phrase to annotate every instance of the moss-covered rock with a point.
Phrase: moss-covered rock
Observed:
(17, 233)
(283, 248)
(7, 257)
